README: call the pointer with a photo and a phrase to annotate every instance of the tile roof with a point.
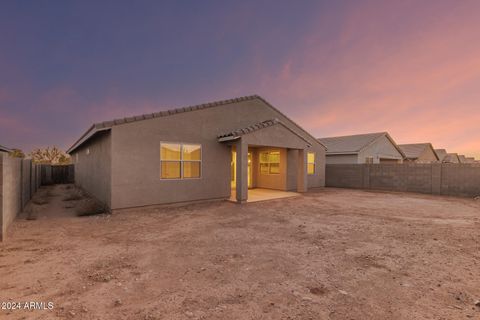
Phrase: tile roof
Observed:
(415, 150)
(235, 134)
(462, 158)
(441, 154)
(350, 144)
(106, 125)
(249, 129)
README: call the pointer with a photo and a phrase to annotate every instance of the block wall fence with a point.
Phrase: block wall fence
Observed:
(19, 180)
(442, 179)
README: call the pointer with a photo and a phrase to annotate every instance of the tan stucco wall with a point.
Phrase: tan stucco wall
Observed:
(342, 159)
(136, 148)
(93, 170)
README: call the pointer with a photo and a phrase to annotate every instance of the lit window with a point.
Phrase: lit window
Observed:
(87, 151)
(270, 162)
(369, 160)
(311, 163)
(180, 161)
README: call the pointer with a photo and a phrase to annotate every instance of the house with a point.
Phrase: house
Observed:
(419, 152)
(469, 160)
(451, 158)
(462, 158)
(441, 154)
(218, 150)
(4, 149)
(376, 147)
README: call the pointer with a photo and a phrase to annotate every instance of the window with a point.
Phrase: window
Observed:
(180, 161)
(311, 162)
(87, 151)
(270, 162)
(369, 160)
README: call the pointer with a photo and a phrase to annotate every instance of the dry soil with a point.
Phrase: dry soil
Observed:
(329, 254)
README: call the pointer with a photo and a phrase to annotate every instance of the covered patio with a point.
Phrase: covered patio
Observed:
(269, 161)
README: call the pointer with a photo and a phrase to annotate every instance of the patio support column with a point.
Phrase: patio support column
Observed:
(302, 171)
(242, 171)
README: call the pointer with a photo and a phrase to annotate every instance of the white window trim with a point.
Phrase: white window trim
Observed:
(260, 163)
(181, 161)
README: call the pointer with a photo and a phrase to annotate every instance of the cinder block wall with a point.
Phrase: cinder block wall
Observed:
(11, 191)
(19, 180)
(435, 178)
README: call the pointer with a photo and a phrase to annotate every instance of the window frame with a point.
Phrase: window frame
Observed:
(260, 162)
(181, 161)
(314, 163)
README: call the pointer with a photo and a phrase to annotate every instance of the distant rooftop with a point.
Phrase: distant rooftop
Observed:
(441, 154)
(415, 150)
(353, 144)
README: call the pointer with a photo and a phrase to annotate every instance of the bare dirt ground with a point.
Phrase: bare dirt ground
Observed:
(331, 254)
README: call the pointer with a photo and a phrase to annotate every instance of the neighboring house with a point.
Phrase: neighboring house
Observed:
(441, 154)
(451, 158)
(469, 160)
(462, 158)
(419, 152)
(362, 148)
(4, 149)
(202, 152)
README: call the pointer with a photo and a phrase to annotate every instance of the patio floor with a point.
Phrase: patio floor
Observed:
(260, 194)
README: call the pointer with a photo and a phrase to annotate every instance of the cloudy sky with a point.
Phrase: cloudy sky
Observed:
(336, 67)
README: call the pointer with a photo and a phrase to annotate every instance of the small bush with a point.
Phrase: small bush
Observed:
(90, 208)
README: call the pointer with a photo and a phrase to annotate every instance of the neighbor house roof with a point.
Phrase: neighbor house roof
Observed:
(5, 149)
(415, 150)
(470, 159)
(451, 157)
(462, 158)
(441, 154)
(236, 134)
(107, 125)
(354, 144)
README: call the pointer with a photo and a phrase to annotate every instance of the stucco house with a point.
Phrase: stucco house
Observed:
(376, 147)
(419, 152)
(218, 150)
(441, 154)
(451, 158)
(462, 158)
(4, 149)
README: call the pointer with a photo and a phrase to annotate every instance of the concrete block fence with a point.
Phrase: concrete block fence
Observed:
(442, 179)
(19, 180)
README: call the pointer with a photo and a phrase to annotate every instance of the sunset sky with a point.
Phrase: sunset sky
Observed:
(411, 68)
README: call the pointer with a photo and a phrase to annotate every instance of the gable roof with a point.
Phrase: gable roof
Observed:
(5, 149)
(107, 125)
(451, 157)
(353, 144)
(462, 158)
(441, 153)
(233, 135)
(415, 150)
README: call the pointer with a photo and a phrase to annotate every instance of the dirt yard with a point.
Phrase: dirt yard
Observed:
(331, 254)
